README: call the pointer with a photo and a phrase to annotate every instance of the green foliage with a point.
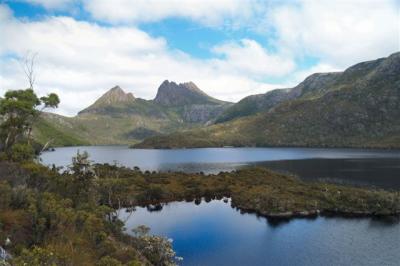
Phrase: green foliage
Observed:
(113, 191)
(21, 152)
(108, 261)
(83, 185)
(6, 195)
(19, 113)
(243, 108)
(50, 100)
(39, 257)
(52, 219)
(18, 109)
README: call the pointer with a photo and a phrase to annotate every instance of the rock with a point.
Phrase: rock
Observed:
(173, 94)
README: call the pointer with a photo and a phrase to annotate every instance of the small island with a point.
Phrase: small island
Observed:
(253, 189)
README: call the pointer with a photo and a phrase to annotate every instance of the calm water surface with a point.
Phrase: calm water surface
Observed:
(379, 168)
(215, 234)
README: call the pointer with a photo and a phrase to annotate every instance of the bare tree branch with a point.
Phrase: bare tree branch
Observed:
(46, 145)
(28, 66)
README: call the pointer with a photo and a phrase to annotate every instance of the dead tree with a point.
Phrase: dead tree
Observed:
(28, 66)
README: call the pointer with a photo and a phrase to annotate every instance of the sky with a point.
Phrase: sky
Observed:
(229, 48)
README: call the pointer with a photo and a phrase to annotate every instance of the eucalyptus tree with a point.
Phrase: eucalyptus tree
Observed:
(19, 110)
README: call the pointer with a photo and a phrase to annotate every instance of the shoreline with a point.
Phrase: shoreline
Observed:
(276, 216)
(132, 146)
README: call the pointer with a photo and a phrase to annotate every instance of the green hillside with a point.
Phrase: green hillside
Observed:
(120, 118)
(357, 108)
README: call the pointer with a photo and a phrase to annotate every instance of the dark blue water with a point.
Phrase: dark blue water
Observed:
(379, 168)
(215, 234)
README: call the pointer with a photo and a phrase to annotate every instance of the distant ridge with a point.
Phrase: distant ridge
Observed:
(313, 86)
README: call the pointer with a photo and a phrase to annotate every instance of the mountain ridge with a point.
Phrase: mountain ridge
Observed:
(253, 104)
(359, 107)
(117, 117)
(172, 94)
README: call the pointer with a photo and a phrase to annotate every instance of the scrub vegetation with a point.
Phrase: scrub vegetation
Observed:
(70, 216)
(53, 218)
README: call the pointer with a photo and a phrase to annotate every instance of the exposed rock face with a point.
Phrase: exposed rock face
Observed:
(172, 94)
(202, 113)
(196, 106)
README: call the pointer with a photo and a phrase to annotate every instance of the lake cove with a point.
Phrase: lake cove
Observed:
(214, 233)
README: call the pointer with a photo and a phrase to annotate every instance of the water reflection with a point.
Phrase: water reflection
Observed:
(379, 168)
(216, 234)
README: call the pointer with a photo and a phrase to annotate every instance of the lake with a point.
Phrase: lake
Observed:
(215, 234)
(364, 167)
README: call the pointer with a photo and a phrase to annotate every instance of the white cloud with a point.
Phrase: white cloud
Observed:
(250, 58)
(81, 60)
(341, 32)
(5, 12)
(207, 12)
(53, 4)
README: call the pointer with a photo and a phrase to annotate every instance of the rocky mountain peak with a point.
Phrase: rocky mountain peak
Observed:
(172, 94)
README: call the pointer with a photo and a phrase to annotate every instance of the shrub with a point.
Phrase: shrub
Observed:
(21, 152)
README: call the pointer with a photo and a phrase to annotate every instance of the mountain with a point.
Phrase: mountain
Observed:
(253, 104)
(115, 96)
(172, 94)
(359, 107)
(118, 117)
(313, 86)
(192, 104)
